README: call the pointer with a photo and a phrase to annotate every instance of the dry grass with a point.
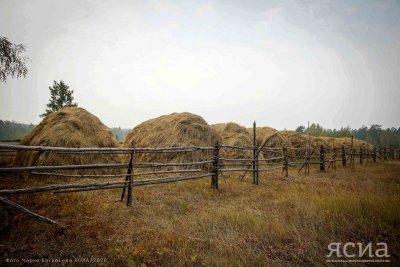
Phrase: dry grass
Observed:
(280, 222)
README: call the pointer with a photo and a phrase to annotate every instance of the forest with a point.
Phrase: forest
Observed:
(11, 130)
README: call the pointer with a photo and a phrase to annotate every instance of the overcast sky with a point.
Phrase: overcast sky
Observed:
(281, 63)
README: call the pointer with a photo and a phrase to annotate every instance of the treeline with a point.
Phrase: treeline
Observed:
(120, 133)
(375, 134)
(11, 130)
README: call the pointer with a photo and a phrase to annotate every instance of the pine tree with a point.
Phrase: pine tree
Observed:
(60, 96)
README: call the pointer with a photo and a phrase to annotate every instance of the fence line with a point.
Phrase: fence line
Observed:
(282, 159)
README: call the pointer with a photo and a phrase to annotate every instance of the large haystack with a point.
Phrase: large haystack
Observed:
(357, 144)
(235, 135)
(173, 130)
(268, 137)
(316, 142)
(296, 140)
(68, 127)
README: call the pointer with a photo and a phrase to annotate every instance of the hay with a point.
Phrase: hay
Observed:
(316, 142)
(235, 135)
(69, 127)
(268, 137)
(296, 140)
(357, 144)
(173, 130)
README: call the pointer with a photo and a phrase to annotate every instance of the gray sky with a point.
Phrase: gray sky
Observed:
(280, 63)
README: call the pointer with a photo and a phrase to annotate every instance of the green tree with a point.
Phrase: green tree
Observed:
(11, 63)
(60, 96)
(300, 129)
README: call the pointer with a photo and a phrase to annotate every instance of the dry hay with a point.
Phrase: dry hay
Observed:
(316, 142)
(296, 140)
(357, 144)
(173, 130)
(268, 137)
(235, 135)
(69, 127)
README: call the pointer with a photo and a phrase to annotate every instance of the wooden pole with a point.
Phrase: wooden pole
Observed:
(322, 158)
(285, 161)
(374, 154)
(128, 177)
(343, 156)
(255, 173)
(385, 156)
(16, 206)
(352, 152)
(215, 166)
(334, 158)
(361, 156)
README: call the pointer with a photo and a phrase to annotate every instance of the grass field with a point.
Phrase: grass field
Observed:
(279, 222)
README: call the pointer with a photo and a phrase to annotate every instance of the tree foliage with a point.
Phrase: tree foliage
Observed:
(11, 63)
(60, 96)
(11, 130)
(375, 135)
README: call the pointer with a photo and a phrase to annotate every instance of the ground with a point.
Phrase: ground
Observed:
(279, 222)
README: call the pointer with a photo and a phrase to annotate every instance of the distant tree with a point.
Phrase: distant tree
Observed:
(11, 63)
(300, 129)
(60, 96)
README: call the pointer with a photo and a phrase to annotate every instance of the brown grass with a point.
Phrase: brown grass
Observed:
(68, 127)
(286, 222)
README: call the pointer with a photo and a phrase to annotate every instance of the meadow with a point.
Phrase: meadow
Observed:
(280, 222)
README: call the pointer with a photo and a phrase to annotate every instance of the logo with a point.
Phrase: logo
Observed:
(358, 252)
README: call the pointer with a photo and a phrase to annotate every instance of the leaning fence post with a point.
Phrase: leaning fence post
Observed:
(215, 166)
(321, 158)
(343, 156)
(129, 176)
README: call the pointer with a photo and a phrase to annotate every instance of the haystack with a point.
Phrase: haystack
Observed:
(69, 127)
(296, 140)
(357, 144)
(268, 137)
(173, 130)
(235, 135)
(316, 142)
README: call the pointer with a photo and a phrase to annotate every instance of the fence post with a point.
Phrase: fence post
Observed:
(343, 156)
(255, 156)
(374, 154)
(385, 157)
(129, 177)
(215, 166)
(285, 161)
(321, 158)
(361, 156)
(334, 158)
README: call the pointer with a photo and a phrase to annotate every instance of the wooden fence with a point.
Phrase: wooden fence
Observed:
(283, 158)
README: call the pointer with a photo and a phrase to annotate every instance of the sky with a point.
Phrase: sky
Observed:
(280, 63)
